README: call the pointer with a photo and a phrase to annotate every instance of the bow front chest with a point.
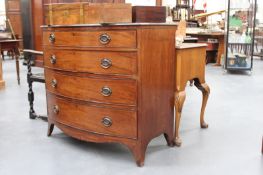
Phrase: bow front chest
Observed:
(111, 83)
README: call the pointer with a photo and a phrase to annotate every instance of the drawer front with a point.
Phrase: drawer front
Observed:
(119, 39)
(92, 61)
(102, 89)
(107, 121)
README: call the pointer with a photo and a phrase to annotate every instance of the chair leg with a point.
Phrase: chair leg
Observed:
(32, 114)
(17, 69)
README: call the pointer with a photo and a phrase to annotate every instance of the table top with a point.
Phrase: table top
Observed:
(191, 45)
(206, 34)
(108, 25)
(10, 40)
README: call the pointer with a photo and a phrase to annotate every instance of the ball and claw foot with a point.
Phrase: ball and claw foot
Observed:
(204, 125)
(178, 142)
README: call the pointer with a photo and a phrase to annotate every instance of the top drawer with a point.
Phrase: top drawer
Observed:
(116, 38)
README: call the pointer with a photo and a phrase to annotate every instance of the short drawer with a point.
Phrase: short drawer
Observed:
(106, 121)
(102, 62)
(88, 88)
(119, 39)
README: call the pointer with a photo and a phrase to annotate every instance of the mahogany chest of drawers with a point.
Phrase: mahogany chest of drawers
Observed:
(111, 83)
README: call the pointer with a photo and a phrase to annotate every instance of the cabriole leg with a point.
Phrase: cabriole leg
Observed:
(204, 88)
(179, 102)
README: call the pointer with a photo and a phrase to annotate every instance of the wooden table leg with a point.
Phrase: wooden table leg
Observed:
(221, 50)
(2, 82)
(17, 68)
(262, 146)
(204, 88)
(179, 102)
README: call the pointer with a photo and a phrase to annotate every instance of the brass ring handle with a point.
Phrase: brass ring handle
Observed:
(105, 39)
(55, 109)
(106, 91)
(52, 38)
(105, 63)
(54, 83)
(106, 121)
(53, 59)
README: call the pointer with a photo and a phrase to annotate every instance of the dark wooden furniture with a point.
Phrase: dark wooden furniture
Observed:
(5, 36)
(87, 13)
(111, 83)
(13, 13)
(148, 14)
(14, 46)
(37, 12)
(189, 65)
(34, 10)
(158, 2)
(203, 37)
(31, 78)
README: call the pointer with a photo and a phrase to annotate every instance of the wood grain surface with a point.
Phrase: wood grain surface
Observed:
(119, 38)
(141, 106)
(124, 91)
(89, 118)
(123, 63)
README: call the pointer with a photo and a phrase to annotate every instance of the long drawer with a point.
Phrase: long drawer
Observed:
(107, 121)
(101, 62)
(95, 89)
(118, 38)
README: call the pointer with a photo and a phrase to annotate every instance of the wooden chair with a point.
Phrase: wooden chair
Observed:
(31, 77)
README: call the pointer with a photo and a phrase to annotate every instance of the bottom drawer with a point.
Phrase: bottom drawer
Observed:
(100, 120)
